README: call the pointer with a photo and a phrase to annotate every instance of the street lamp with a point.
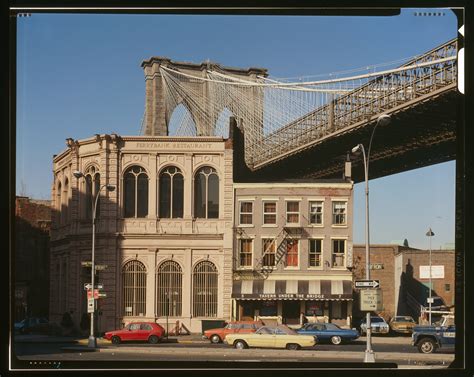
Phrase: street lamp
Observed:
(92, 343)
(382, 119)
(430, 234)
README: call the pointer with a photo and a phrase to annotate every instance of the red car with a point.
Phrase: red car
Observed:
(218, 335)
(146, 331)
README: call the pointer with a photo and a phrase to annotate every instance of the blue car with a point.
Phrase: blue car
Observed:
(328, 332)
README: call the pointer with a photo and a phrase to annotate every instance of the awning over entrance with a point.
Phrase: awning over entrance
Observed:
(292, 290)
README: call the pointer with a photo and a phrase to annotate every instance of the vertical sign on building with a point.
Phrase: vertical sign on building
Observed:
(349, 254)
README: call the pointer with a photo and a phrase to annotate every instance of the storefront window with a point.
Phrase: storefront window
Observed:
(314, 308)
(268, 308)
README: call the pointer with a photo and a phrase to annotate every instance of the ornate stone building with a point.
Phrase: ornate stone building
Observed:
(163, 236)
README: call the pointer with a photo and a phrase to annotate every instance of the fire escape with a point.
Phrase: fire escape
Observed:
(270, 260)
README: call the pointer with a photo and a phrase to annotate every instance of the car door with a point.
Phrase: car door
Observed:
(449, 337)
(133, 332)
(280, 339)
(264, 337)
(145, 330)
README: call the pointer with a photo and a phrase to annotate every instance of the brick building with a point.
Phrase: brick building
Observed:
(404, 277)
(31, 262)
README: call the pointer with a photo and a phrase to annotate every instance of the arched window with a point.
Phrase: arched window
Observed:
(171, 193)
(206, 193)
(134, 289)
(92, 183)
(205, 290)
(58, 202)
(65, 202)
(135, 192)
(169, 288)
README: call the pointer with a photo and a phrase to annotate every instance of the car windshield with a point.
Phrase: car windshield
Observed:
(403, 319)
(374, 320)
(332, 326)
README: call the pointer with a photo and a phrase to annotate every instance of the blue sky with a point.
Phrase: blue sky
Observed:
(78, 75)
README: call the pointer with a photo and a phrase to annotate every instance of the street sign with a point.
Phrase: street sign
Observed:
(88, 286)
(98, 267)
(371, 300)
(367, 283)
(90, 305)
(102, 295)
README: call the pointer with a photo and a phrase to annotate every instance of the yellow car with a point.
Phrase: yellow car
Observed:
(279, 336)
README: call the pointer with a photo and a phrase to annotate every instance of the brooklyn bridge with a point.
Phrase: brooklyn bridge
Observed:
(307, 128)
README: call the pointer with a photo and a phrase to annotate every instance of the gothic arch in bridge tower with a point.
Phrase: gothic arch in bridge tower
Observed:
(181, 117)
(164, 92)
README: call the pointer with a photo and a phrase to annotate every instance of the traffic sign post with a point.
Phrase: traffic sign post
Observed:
(371, 300)
(367, 283)
(96, 294)
(90, 305)
(88, 286)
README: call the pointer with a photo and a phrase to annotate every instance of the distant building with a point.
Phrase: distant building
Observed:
(404, 277)
(31, 272)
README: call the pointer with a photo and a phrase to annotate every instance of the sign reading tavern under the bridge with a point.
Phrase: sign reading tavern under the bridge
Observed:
(296, 296)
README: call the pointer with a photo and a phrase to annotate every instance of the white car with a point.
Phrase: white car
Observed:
(377, 324)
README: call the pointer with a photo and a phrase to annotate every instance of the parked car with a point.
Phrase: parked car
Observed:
(137, 331)
(329, 332)
(33, 325)
(441, 334)
(377, 324)
(280, 336)
(402, 324)
(217, 335)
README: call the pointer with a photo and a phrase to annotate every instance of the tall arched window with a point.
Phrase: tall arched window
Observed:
(134, 289)
(171, 193)
(92, 183)
(169, 288)
(206, 193)
(205, 290)
(65, 202)
(135, 192)
(58, 202)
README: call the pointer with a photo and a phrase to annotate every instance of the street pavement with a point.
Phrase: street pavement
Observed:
(194, 348)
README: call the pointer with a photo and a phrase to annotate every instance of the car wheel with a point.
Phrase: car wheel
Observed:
(427, 345)
(240, 344)
(153, 339)
(292, 346)
(336, 340)
(215, 339)
(116, 340)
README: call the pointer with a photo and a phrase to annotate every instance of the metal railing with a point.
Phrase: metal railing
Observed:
(384, 94)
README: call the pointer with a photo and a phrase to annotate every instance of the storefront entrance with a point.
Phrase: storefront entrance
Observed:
(291, 312)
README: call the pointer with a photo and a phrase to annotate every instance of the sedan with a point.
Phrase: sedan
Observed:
(377, 324)
(217, 335)
(402, 324)
(146, 331)
(271, 337)
(329, 332)
(33, 325)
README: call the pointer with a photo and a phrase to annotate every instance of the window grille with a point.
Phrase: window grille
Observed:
(315, 251)
(339, 213)
(135, 195)
(316, 212)
(205, 290)
(268, 251)
(269, 212)
(134, 289)
(292, 212)
(169, 288)
(206, 193)
(245, 252)
(171, 193)
(338, 252)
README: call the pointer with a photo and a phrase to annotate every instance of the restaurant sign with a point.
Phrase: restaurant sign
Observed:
(290, 296)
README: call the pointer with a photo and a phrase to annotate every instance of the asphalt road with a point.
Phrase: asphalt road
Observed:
(397, 351)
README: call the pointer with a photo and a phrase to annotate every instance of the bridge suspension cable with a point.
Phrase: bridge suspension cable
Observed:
(277, 115)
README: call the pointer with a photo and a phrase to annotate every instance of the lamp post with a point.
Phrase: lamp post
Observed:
(383, 119)
(430, 234)
(92, 342)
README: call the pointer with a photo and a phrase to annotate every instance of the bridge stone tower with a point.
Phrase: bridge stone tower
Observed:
(157, 111)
